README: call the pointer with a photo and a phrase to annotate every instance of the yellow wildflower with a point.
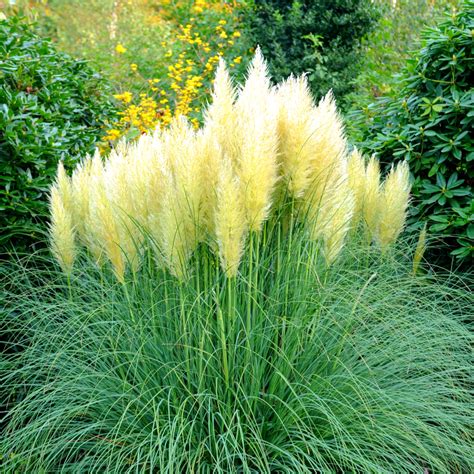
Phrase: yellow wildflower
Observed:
(120, 49)
(125, 97)
(112, 134)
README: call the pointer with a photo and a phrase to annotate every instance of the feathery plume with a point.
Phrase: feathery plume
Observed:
(220, 117)
(102, 226)
(356, 176)
(61, 228)
(80, 183)
(209, 155)
(296, 133)
(394, 200)
(139, 156)
(230, 222)
(183, 200)
(338, 225)
(84, 194)
(119, 192)
(420, 249)
(330, 220)
(327, 164)
(257, 141)
(371, 210)
(147, 188)
(63, 184)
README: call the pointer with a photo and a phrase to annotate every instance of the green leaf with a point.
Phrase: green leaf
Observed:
(439, 218)
(470, 231)
(440, 180)
(432, 199)
(461, 252)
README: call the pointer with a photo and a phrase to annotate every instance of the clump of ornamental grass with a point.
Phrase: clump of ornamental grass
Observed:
(288, 367)
(228, 300)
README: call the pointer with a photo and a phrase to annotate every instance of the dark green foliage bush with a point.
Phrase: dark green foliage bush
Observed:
(386, 49)
(429, 124)
(318, 37)
(52, 107)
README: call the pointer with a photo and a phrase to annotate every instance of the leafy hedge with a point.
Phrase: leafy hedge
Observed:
(429, 124)
(318, 37)
(52, 107)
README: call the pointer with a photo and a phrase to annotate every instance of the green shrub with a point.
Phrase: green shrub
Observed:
(318, 37)
(52, 107)
(362, 368)
(386, 49)
(429, 124)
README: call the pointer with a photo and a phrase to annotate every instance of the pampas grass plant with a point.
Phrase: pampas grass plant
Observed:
(235, 303)
(362, 368)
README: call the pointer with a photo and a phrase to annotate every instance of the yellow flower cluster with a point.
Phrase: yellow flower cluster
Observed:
(200, 5)
(193, 55)
(120, 49)
(179, 187)
(126, 97)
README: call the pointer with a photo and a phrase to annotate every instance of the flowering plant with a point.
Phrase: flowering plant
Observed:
(206, 32)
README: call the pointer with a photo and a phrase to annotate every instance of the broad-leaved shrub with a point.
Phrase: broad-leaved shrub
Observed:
(52, 107)
(317, 37)
(429, 125)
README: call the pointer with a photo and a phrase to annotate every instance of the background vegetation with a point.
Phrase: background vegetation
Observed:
(52, 107)
(159, 56)
(385, 50)
(428, 123)
(318, 37)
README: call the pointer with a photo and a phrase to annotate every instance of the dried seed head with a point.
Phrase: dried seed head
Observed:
(394, 201)
(296, 133)
(230, 222)
(371, 203)
(328, 163)
(420, 249)
(257, 142)
(61, 230)
(356, 175)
